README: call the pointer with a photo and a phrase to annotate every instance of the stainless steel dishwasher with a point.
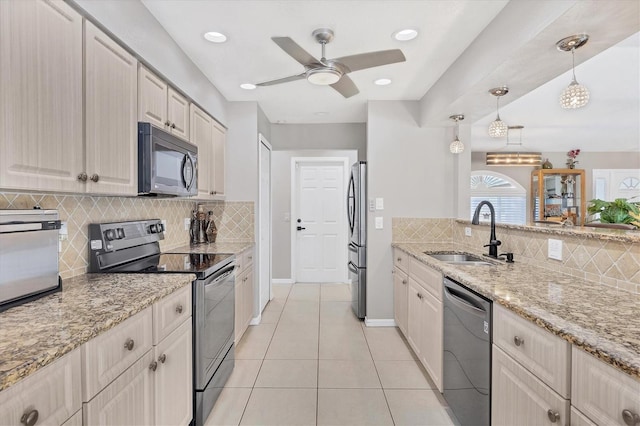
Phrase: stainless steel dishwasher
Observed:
(467, 354)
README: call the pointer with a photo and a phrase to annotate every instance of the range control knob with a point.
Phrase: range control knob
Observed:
(109, 235)
(120, 232)
(153, 229)
(160, 227)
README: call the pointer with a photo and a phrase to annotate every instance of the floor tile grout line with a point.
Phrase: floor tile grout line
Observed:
(379, 379)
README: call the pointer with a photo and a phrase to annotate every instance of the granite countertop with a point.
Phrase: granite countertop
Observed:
(212, 248)
(37, 333)
(601, 320)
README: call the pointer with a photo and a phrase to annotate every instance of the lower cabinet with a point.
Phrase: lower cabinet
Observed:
(75, 420)
(400, 295)
(243, 293)
(520, 398)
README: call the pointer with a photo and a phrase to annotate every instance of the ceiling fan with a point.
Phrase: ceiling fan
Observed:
(332, 72)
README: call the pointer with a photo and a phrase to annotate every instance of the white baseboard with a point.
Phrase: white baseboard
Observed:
(369, 322)
(256, 320)
(281, 281)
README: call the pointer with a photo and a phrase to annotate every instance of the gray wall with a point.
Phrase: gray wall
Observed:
(264, 126)
(133, 24)
(281, 193)
(320, 136)
(412, 169)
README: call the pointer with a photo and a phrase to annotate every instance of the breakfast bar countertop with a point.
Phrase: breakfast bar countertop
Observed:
(601, 320)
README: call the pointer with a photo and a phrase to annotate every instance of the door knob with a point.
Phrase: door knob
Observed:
(300, 228)
(299, 221)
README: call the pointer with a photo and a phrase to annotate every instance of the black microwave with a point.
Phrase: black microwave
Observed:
(167, 165)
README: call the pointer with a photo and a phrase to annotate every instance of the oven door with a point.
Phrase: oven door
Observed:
(213, 318)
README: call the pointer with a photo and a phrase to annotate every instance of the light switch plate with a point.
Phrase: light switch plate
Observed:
(164, 224)
(467, 231)
(372, 205)
(379, 222)
(187, 223)
(554, 249)
(379, 203)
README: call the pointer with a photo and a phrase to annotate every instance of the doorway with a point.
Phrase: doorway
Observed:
(264, 230)
(318, 219)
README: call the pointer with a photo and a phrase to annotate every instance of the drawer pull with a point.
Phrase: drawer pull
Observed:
(419, 295)
(153, 366)
(404, 281)
(179, 309)
(29, 418)
(128, 345)
(630, 418)
(399, 259)
(162, 358)
(519, 341)
(554, 416)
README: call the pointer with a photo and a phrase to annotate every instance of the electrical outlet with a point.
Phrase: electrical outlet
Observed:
(378, 222)
(164, 224)
(554, 249)
(187, 223)
(467, 231)
(379, 203)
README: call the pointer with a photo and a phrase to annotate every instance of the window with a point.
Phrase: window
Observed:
(508, 197)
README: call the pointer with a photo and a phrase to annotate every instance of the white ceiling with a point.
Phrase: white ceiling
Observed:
(446, 28)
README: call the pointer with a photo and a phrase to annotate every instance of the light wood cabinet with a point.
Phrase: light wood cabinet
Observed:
(75, 420)
(53, 394)
(169, 313)
(161, 105)
(605, 395)
(219, 144)
(401, 260)
(202, 137)
(558, 194)
(579, 419)
(41, 145)
(519, 398)
(243, 293)
(110, 108)
(400, 299)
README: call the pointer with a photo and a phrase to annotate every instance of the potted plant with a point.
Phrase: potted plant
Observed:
(618, 211)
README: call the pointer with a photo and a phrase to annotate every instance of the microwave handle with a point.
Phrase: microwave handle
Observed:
(188, 164)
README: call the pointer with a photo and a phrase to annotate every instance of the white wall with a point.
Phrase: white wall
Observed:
(133, 24)
(281, 184)
(320, 136)
(413, 170)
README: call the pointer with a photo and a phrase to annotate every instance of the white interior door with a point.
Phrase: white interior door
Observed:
(319, 220)
(264, 211)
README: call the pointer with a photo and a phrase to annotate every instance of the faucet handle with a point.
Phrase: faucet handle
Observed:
(493, 243)
(509, 257)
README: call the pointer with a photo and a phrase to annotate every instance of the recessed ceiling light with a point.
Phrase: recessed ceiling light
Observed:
(247, 86)
(215, 37)
(382, 82)
(405, 35)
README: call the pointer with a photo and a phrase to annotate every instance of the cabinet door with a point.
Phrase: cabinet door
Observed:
(178, 114)
(247, 301)
(431, 340)
(111, 125)
(40, 96)
(202, 137)
(173, 378)
(219, 142)
(128, 400)
(414, 321)
(400, 294)
(152, 98)
(519, 398)
(239, 306)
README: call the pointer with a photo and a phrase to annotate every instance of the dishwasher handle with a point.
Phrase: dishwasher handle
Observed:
(464, 299)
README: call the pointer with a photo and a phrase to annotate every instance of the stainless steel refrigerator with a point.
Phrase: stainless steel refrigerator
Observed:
(357, 212)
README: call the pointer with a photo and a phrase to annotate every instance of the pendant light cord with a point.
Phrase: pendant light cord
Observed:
(497, 107)
(573, 63)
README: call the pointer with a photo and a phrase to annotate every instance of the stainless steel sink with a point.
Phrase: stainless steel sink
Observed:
(459, 258)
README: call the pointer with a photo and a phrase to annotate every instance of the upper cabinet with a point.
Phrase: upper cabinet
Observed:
(161, 105)
(219, 142)
(41, 145)
(209, 136)
(110, 108)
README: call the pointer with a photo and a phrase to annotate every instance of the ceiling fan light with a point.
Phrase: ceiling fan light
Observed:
(574, 96)
(498, 128)
(324, 76)
(456, 146)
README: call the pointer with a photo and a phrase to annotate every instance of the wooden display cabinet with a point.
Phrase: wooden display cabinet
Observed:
(557, 195)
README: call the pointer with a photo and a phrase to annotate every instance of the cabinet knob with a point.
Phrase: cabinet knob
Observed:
(250, 257)
(554, 416)
(212, 193)
(94, 177)
(630, 418)
(167, 123)
(173, 125)
(162, 358)
(179, 309)
(29, 418)
(128, 345)
(404, 281)
(518, 340)
(419, 295)
(82, 177)
(153, 366)
(399, 259)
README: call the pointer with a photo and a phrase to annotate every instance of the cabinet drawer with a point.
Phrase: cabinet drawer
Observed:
(428, 278)
(401, 260)
(520, 398)
(170, 312)
(601, 392)
(108, 355)
(54, 392)
(547, 356)
(75, 420)
(247, 258)
(579, 419)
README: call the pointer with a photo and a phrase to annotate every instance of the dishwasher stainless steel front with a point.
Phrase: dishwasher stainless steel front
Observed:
(467, 354)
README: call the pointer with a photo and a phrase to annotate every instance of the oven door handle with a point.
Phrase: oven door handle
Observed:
(29, 226)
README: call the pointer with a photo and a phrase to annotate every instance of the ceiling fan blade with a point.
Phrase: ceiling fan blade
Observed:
(346, 87)
(282, 80)
(371, 59)
(295, 51)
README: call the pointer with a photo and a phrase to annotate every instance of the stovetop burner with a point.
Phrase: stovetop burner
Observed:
(177, 263)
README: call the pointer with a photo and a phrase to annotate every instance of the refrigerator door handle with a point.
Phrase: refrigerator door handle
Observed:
(353, 268)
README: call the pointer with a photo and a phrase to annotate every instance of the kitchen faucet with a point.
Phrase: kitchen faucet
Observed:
(493, 241)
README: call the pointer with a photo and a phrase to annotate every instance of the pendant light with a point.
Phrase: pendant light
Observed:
(518, 157)
(498, 128)
(575, 95)
(456, 146)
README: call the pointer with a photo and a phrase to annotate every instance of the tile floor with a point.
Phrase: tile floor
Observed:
(312, 362)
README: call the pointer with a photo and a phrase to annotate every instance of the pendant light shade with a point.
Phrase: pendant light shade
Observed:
(575, 95)
(456, 147)
(498, 128)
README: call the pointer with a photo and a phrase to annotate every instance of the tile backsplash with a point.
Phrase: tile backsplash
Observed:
(233, 219)
(411, 230)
